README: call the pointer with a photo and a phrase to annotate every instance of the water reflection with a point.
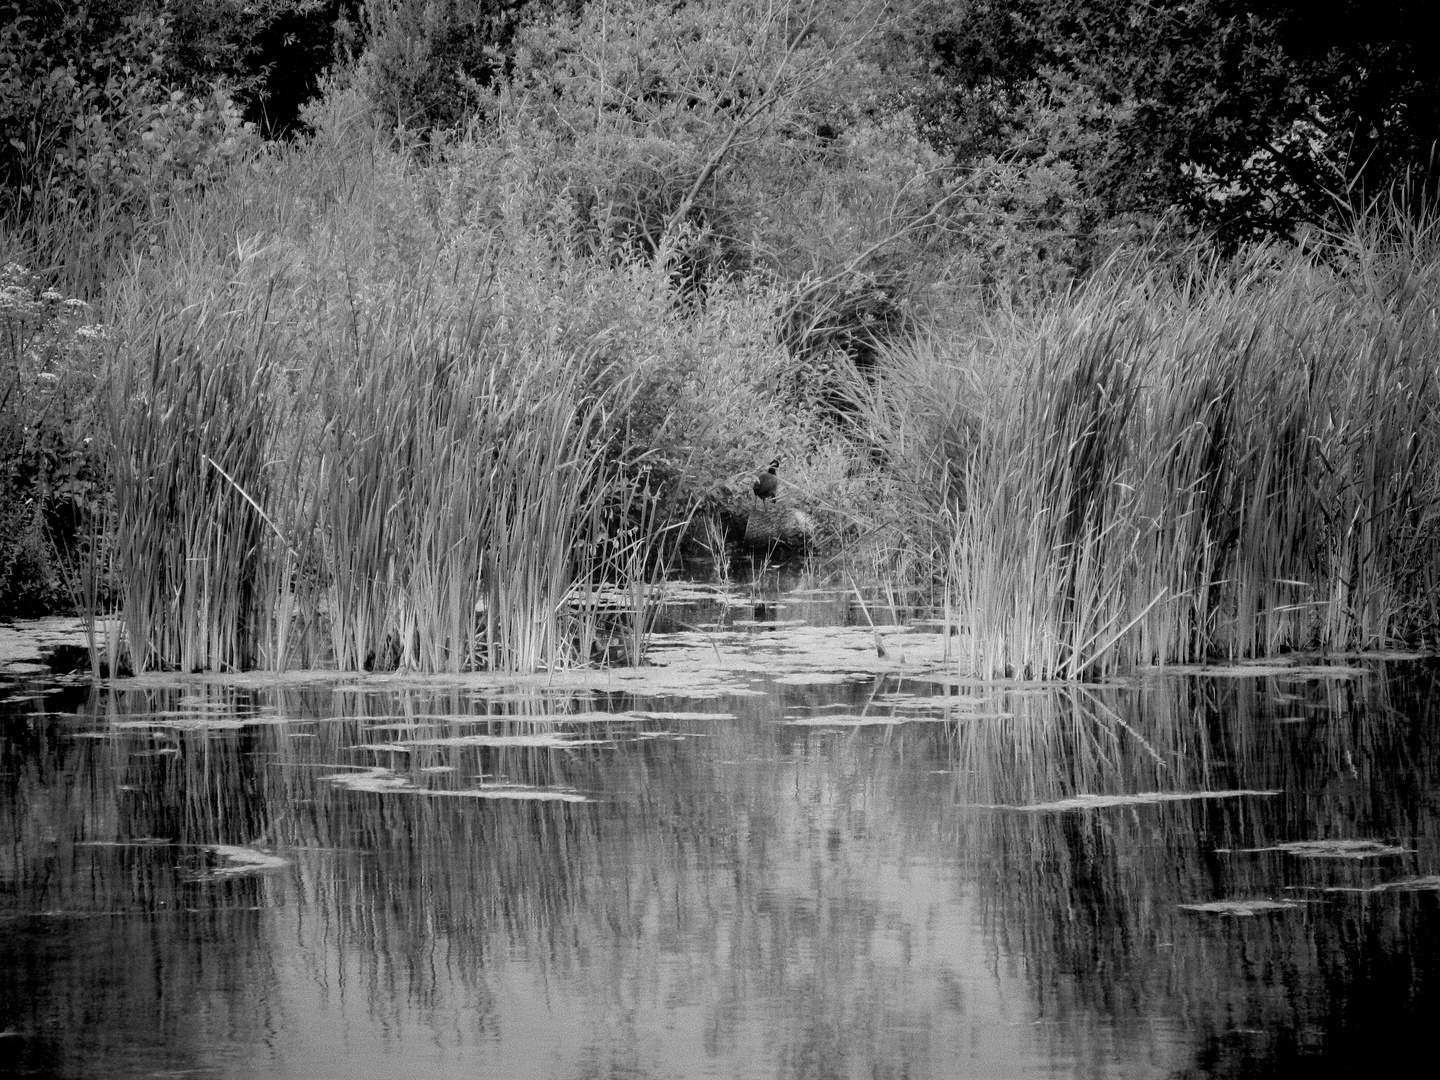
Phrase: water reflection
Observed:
(330, 880)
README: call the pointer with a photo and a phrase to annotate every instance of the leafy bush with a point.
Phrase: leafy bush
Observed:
(741, 137)
(100, 140)
(1249, 119)
(426, 66)
(50, 466)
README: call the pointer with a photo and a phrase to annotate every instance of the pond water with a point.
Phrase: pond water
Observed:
(790, 864)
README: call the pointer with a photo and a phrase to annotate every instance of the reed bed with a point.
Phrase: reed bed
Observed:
(1237, 461)
(358, 424)
(357, 420)
(352, 428)
(191, 429)
(417, 495)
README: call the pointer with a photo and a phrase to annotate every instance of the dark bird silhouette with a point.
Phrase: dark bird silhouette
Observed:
(766, 484)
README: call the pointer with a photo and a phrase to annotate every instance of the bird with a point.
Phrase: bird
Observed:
(766, 484)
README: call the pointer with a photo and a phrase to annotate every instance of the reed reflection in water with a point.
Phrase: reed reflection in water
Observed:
(340, 881)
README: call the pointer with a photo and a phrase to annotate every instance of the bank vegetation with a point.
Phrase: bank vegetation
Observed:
(447, 390)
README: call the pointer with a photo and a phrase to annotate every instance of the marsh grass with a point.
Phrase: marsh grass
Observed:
(74, 244)
(1234, 461)
(418, 495)
(354, 427)
(374, 410)
(191, 431)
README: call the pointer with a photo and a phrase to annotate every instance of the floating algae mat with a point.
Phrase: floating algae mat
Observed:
(780, 849)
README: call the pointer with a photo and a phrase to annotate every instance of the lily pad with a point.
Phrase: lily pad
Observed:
(1428, 883)
(243, 860)
(377, 779)
(200, 719)
(509, 791)
(553, 740)
(1424, 883)
(647, 714)
(1240, 908)
(1142, 798)
(386, 781)
(1331, 849)
(884, 721)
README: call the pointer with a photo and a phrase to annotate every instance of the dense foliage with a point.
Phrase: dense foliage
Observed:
(1247, 117)
(51, 481)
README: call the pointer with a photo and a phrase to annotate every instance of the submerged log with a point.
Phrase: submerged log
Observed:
(778, 525)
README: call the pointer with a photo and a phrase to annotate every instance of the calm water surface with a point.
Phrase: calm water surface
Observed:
(341, 880)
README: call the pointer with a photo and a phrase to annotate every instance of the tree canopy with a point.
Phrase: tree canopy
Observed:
(1247, 115)
(1244, 118)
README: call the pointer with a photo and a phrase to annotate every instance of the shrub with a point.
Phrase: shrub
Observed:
(426, 66)
(50, 465)
(100, 141)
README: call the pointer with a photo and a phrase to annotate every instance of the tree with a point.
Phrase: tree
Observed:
(728, 138)
(271, 54)
(426, 62)
(680, 100)
(1248, 115)
(91, 110)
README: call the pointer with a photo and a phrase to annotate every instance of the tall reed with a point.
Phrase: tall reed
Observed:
(1237, 463)
(445, 414)
(416, 495)
(190, 427)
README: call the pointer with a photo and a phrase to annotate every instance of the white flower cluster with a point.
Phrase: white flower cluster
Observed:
(22, 298)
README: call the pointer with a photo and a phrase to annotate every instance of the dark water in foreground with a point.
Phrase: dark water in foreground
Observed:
(332, 882)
